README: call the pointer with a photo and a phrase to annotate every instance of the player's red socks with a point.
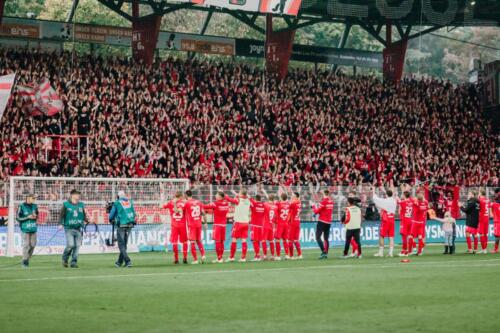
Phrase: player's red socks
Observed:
(404, 248)
(233, 250)
(256, 248)
(244, 249)
(469, 242)
(271, 247)
(200, 247)
(219, 249)
(354, 246)
(285, 246)
(290, 248)
(475, 242)
(421, 245)
(484, 242)
(327, 245)
(297, 246)
(411, 244)
(278, 248)
(193, 251)
(176, 251)
(184, 250)
(264, 248)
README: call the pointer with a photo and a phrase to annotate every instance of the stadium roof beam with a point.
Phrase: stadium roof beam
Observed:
(72, 11)
(202, 31)
(248, 20)
(116, 6)
(343, 41)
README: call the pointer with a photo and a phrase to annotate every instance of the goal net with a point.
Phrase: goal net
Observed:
(147, 194)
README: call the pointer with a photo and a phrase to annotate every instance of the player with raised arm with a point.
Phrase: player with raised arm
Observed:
(387, 207)
(178, 230)
(240, 225)
(220, 209)
(282, 225)
(294, 229)
(270, 216)
(257, 210)
(420, 208)
(325, 211)
(405, 217)
(484, 221)
(193, 212)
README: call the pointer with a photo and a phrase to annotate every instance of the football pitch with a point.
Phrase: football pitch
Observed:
(433, 293)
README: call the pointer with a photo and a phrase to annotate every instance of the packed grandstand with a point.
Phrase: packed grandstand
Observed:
(227, 123)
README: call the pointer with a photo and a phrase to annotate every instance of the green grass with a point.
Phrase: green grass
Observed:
(433, 293)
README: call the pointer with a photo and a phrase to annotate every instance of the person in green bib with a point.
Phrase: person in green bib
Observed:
(73, 219)
(27, 214)
(123, 216)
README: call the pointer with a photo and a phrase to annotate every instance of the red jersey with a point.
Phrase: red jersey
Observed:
(270, 214)
(495, 207)
(257, 210)
(325, 210)
(192, 212)
(295, 207)
(283, 212)
(420, 210)
(177, 218)
(220, 209)
(386, 217)
(406, 210)
(484, 209)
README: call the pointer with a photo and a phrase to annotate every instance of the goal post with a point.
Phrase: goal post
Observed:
(147, 193)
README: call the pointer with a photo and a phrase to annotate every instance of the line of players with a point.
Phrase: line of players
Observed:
(276, 223)
(271, 225)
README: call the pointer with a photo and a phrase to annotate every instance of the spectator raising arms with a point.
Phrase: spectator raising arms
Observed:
(210, 122)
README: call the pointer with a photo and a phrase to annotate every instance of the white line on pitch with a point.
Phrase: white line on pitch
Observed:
(463, 263)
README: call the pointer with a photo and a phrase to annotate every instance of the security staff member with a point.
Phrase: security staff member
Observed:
(27, 215)
(123, 216)
(73, 219)
(351, 218)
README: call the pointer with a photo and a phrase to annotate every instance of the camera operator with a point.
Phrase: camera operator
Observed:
(122, 214)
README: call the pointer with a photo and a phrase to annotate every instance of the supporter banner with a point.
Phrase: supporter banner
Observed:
(394, 60)
(6, 85)
(308, 53)
(278, 49)
(287, 7)
(145, 37)
(52, 241)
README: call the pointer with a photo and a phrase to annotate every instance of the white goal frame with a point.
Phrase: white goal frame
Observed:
(10, 245)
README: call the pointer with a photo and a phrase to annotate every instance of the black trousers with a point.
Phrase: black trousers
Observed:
(122, 234)
(323, 229)
(349, 234)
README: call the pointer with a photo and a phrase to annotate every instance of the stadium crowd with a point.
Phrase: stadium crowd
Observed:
(225, 123)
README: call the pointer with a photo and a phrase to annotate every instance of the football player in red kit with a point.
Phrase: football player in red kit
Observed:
(294, 228)
(240, 225)
(495, 213)
(484, 221)
(178, 230)
(257, 214)
(220, 209)
(325, 211)
(282, 225)
(192, 211)
(420, 208)
(405, 216)
(270, 217)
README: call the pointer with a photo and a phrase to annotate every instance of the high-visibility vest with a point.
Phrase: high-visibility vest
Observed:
(242, 211)
(354, 217)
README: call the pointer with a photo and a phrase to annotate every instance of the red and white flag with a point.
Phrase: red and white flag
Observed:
(44, 98)
(6, 84)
